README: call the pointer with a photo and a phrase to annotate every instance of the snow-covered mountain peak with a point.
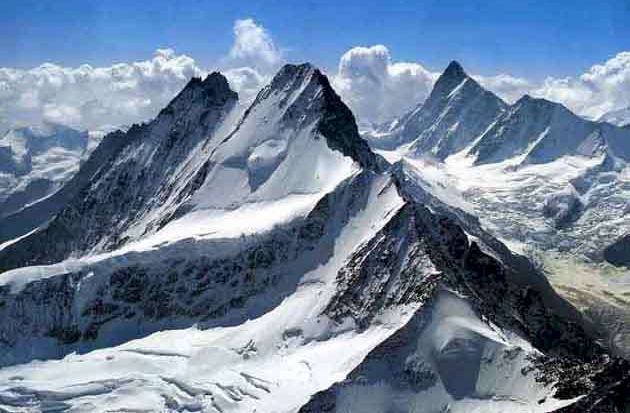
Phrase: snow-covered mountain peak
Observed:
(538, 131)
(530, 103)
(291, 75)
(200, 96)
(302, 94)
(457, 111)
(455, 71)
(136, 178)
(449, 80)
(297, 137)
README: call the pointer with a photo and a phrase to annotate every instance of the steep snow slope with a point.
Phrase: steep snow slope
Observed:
(445, 359)
(320, 293)
(135, 173)
(37, 161)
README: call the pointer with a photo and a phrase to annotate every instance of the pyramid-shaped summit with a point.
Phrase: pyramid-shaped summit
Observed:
(454, 70)
(456, 112)
(452, 77)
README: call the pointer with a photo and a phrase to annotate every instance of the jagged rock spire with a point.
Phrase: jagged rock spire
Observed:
(212, 91)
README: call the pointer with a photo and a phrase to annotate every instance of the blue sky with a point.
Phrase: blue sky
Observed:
(524, 38)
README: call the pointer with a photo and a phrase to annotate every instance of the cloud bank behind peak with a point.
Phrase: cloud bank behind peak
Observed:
(375, 86)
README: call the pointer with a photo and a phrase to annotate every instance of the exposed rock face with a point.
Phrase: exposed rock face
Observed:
(563, 207)
(136, 296)
(618, 253)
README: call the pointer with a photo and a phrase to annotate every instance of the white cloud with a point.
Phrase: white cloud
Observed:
(93, 97)
(246, 81)
(89, 97)
(253, 59)
(507, 87)
(376, 88)
(253, 46)
(603, 88)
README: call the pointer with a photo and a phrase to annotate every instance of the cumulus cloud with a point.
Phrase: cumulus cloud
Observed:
(253, 59)
(507, 87)
(253, 46)
(603, 88)
(87, 97)
(93, 97)
(246, 81)
(378, 89)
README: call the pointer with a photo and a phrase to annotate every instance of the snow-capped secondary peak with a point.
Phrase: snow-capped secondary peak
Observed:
(529, 102)
(129, 179)
(456, 112)
(539, 131)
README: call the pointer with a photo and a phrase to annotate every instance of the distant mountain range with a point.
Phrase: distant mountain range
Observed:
(36, 161)
(531, 162)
